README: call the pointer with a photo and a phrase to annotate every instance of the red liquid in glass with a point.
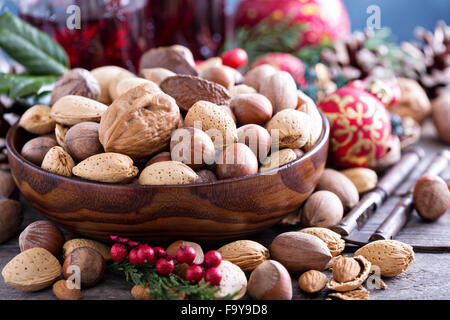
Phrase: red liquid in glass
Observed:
(114, 32)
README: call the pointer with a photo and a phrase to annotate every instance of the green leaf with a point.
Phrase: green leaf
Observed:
(17, 86)
(32, 48)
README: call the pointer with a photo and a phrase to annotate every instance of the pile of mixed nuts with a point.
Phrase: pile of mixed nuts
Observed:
(176, 124)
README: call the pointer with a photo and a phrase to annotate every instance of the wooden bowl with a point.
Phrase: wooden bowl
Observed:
(222, 210)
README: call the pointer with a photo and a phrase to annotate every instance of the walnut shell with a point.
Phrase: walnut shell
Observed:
(246, 254)
(278, 159)
(291, 127)
(322, 209)
(187, 90)
(332, 239)
(58, 161)
(37, 120)
(139, 123)
(78, 82)
(281, 90)
(172, 58)
(213, 120)
(107, 167)
(70, 110)
(62, 292)
(82, 141)
(36, 149)
(167, 173)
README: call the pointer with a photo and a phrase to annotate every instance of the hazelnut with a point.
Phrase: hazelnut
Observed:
(312, 281)
(281, 90)
(278, 159)
(62, 292)
(157, 75)
(431, 197)
(322, 209)
(163, 156)
(290, 128)
(251, 108)
(219, 75)
(42, 234)
(36, 149)
(37, 120)
(255, 76)
(91, 266)
(270, 281)
(78, 82)
(345, 269)
(140, 293)
(236, 160)
(58, 161)
(11, 217)
(256, 138)
(7, 184)
(441, 116)
(193, 147)
(206, 175)
(82, 141)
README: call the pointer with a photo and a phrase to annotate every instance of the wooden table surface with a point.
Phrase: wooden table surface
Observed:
(427, 277)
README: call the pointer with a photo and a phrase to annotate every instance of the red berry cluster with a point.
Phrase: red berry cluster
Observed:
(139, 253)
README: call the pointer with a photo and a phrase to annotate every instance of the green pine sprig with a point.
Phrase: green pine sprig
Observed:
(162, 287)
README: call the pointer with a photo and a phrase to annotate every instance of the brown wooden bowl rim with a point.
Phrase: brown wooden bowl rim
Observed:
(14, 153)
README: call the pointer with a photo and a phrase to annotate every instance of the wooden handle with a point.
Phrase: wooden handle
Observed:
(401, 213)
(371, 201)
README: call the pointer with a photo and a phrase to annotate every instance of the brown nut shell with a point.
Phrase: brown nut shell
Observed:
(322, 209)
(270, 281)
(332, 239)
(7, 184)
(60, 134)
(213, 120)
(58, 161)
(290, 128)
(105, 75)
(172, 58)
(82, 141)
(139, 123)
(255, 76)
(281, 90)
(336, 182)
(36, 149)
(364, 267)
(246, 254)
(157, 75)
(441, 116)
(73, 244)
(431, 197)
(63, 292)
(192, 147)
(127, 84)
(236, 160)
(256, 138)
(11, 217)
(205, 176)
(42, 234)
(167, 173)
(187, 90)
(220, 75)
(70, 110)
(162, 156)
(78, 82)
(91, 266)
(278, 159)
(307, 105)
(251, 108)
(37, 120)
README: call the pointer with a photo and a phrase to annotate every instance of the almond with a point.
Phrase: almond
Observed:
(62, 292)
(32, 270)
(73, 244)
(281, 90)
(290, 128)
(70, 110)
(246, 254)
(37, 120)
(58, 161)
(391, 256)
(336, 182)
(300, 252)
(364, 179)
(332, 239)
(346, 269)
(187, 90)
(312, 281)
(349, 273)
(167, 173)
(107, 167)
(278, 159)
(213, 120)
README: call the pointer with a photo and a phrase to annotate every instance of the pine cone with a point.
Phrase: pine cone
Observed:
(434, 51)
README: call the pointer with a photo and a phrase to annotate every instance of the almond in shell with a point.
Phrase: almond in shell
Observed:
(70, 110)
(37, 120)
(106, 167)
(58, 161)
(364, 179)
(167, 173)
(333, 240)
(32, 270)
(391, 256)
(246, 254)
(278, 159)
(290, 128)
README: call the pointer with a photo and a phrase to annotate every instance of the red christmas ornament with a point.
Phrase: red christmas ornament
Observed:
(212, 258)
(324, 20)
(213, 276)
(186, 254)
(284, 62)
(132, 256)
(119, 252)
(360, 127)
(145, 254)
(194, 273)
(236, 58)
(164, 266)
